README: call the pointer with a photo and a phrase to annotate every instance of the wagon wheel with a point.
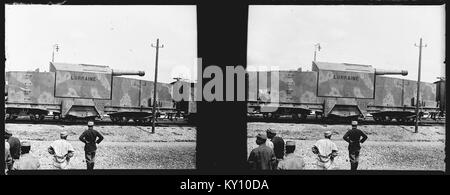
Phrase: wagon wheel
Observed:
(274, 116)
(41, 117)
(376, 118)
(295, 116)
(138, 121)
(34, 117)
(124, 119)
(303, 116)
(10, 117)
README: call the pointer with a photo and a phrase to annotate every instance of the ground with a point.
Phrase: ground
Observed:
(124, 147)
(389, 147)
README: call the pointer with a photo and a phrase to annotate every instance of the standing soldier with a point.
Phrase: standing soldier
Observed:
(278, 143)
(353, 137)
(89, 137)
(26, 161)
(291, 161)
(326, 151)
(14, 146)
(262, 157)
(269, 143)
(62, 151)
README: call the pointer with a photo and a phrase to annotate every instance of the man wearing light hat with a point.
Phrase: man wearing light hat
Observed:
(290, 160)
(27, 161)
(89, 138)
(62, 151)
(326, 151)
(353, 137)
(262, 157)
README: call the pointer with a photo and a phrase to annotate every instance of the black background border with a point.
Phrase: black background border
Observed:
(222, 136)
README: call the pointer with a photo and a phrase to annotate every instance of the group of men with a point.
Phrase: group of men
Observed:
(273, 154)
(18, 157)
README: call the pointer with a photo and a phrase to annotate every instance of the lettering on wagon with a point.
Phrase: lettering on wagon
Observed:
(83, 77)
(345, 77)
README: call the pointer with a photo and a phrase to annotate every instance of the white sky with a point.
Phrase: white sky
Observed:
(381, 36)
(120, 37)
(116, 36)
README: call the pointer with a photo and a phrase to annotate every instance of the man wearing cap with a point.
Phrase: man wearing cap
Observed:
(269, 143)
(291, 161)
(62, 151)
(262, 157)
(326, 151)
(89, 138)
(354, 137)
(26, 161)
(278, 143)
(14, 146)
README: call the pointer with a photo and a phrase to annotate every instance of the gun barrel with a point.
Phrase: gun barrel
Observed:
(384, 72)
(123, 72)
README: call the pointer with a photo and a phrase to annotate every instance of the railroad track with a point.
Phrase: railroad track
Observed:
(49, 121)
(313, 120)
(183, 122)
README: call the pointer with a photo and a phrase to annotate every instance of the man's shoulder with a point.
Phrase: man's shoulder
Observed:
(278, 139)
(14, 139)
(263, 148)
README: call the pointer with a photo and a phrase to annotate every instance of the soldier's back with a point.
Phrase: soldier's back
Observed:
(264, 156)
(291, 162)
(27, 162)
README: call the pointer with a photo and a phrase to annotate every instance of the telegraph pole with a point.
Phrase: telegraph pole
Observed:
(157, 46)
(316, 47)
(55, 46)
(418, 85)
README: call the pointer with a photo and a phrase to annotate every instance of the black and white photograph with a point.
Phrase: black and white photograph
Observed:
(239, 90)
(336, 87)
(90, 87)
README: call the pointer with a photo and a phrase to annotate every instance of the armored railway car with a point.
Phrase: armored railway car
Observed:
(81, 91)
(341, 90)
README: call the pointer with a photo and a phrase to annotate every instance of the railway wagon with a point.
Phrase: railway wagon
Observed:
(81, 91)
(440, 96)
(340, 90)
(395, 99)
(185, 106)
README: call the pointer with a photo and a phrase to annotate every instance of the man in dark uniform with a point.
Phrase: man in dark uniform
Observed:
(89, 137)
(14, 147)
(353, 137)
(262, 157)
(278, 144)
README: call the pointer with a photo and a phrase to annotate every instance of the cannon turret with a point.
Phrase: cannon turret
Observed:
(86, 80)
(123, 72)
(391, 72)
